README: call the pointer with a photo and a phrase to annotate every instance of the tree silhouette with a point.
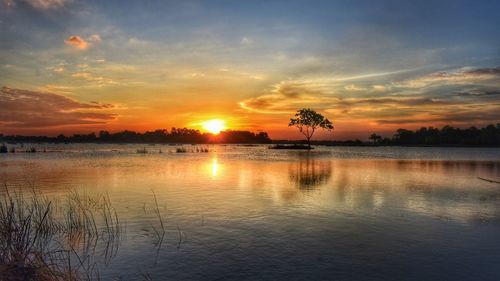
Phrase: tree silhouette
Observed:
(307, 121)
(375, 138)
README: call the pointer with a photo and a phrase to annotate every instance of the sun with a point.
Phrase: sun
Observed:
(214, 126)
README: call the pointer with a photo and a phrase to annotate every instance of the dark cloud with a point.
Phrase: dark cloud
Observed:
(400, 121)
(395, 101)
(32, 109)
(481, 71)
(473, 117)
(476, 94)
(464, 73)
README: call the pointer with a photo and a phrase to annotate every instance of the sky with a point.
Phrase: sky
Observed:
(70, 66)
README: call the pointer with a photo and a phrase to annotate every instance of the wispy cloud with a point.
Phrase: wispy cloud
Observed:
(464, 75)
(48, 4)
(456, 96)
(95, 38)
(8, 4)
(100, 80)
(245, 41)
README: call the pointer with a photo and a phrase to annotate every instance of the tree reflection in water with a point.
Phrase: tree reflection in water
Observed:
(307, 173)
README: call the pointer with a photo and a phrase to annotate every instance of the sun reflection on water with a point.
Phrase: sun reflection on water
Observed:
(214, 167)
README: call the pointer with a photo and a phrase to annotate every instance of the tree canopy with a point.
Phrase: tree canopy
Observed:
(308, 121)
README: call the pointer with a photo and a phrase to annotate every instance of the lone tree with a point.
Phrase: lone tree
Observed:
(376, 138)
(307, 121)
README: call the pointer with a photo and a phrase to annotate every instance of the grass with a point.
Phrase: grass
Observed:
(195, 150)
(4, 149)
(181, 150)
(43, 240)
(68, 237)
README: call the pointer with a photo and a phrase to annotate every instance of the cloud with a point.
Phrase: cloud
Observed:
(467, 117)
(57, 88)
(463, 96)
(8, 4)
(245, 41)
(354, 88)
(461, 76)
(48, 4)
(82, 44)
(101, 81)
(483, 71)
(95, 38)
(77, 42)
(287, 97)
(33, 109)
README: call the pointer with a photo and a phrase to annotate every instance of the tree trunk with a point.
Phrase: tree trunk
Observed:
(308, 143)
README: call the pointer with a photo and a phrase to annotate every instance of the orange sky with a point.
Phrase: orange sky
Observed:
(77, 67)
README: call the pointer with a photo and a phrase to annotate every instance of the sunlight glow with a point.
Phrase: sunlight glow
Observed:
(214, 167)
(214, 126)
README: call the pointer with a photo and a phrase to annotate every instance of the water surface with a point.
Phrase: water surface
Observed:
(239, 212)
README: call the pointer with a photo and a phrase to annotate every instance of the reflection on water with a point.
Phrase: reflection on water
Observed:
(308, 172)
(214, 167)
(294, 215)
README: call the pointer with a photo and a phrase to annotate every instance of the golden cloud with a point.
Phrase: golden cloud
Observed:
(82, 44)
(77, 42)
(453, 101)
(93, 78)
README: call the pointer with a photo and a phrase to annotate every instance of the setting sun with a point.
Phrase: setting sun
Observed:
(214, 126)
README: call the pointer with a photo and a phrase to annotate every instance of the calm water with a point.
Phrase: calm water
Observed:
(346, 213)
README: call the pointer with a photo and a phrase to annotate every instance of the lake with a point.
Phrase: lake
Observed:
(250, 213)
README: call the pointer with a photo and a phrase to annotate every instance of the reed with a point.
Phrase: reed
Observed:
(181, 150)
(43, 240)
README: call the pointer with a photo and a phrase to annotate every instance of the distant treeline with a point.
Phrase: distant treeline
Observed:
(426, 136)
(176, 135)
(487, 136)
